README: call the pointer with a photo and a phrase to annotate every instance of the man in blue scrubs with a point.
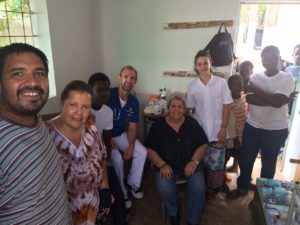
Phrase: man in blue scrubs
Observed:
(125, 145)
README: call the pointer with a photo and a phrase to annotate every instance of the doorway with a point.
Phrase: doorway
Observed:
(263, 24)
(272, 23)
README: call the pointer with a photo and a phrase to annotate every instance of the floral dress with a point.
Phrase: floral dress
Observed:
(82, 171)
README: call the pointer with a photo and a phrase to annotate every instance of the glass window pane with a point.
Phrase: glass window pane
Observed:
(3, 24)
(14, 5)
(2, 5)
(25, 6)
(35, 39)
(4, 41)
(29, 40)
(15, 24)
(17, 39)
(27, 24)
(16, 21)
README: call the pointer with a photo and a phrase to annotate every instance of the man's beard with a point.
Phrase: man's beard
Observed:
(31, 109)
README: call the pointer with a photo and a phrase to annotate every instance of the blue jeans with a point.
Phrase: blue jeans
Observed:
(195, 195)
(269, 142)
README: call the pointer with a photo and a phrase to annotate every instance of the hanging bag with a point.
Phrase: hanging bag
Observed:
(221, 48)
(214, 161)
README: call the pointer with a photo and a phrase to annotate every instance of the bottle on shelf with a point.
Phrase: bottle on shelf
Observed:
(163, 100)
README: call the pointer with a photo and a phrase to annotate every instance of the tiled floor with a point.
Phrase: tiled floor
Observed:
(218, 211)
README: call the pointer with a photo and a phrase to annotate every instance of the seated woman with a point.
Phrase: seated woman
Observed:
(176, 146)
(82, 152)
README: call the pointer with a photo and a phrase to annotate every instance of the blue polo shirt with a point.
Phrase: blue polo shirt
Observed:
(122, 116)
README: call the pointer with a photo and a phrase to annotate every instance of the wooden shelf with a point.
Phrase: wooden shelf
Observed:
(188, 74)
(194, 25)
(180, 74)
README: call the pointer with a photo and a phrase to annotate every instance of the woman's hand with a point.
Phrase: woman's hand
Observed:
(166, 172)
(91, 120)
(190, 168)
(222, 135)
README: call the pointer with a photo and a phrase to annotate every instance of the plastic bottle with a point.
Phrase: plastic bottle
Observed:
(163, 100)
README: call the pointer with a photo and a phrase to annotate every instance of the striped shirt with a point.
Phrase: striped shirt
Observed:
(238, 115)
(32, 189)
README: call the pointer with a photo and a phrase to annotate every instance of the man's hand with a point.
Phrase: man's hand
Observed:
(293, 96)
(128, 153)
(114, 144)
(236, 143)
(91, 120)
(131, 137)
(250, 87)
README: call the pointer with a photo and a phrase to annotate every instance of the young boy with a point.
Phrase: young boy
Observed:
(245, 70)
(237, 119)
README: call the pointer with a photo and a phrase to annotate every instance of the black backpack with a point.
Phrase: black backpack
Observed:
(221, 48)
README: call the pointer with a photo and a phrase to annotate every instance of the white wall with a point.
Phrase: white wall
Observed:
(131, 32)
(71, 31)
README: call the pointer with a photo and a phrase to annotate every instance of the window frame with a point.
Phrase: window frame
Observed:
(42, 37)
(21, 34)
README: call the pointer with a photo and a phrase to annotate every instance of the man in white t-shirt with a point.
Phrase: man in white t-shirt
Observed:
(266, 126)
(100, 85)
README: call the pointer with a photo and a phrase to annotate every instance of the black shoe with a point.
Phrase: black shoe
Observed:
(236, 193)
(224, 188)
(188, 223)
(175, 220)
(252, 187)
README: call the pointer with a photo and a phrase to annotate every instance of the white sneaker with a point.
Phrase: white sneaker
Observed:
(137, 192)
(128, 203)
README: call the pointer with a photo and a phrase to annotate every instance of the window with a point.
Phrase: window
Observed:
(27, 21)
(263, 24)
(272, 22)
(16, 22)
